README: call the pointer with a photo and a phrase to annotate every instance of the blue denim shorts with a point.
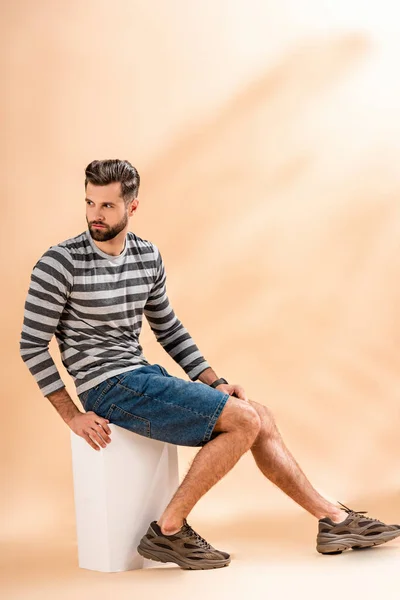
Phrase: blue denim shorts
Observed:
(151, 402)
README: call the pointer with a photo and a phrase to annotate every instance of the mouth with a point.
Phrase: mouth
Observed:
(99, 226)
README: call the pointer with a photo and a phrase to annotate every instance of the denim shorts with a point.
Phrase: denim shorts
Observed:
(151, 402)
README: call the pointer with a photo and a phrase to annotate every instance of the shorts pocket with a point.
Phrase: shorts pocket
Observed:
(127, 420)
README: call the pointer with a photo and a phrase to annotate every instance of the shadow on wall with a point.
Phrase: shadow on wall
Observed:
(226, 184)
(248, 142)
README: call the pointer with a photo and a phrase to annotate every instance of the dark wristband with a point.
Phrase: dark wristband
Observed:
(217, 382)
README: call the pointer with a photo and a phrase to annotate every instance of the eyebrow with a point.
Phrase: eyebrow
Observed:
(113, 203)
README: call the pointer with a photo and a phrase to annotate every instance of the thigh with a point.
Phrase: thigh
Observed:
(151, 402)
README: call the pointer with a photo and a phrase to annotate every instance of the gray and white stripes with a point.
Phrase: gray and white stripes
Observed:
(94, 304)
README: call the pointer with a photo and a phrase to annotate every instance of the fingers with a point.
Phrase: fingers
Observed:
(94, 438)
(98, 437)
(103, 430)
(240, 393)
(97, 431)
(90, 441)
(99, 420)
(103, 423)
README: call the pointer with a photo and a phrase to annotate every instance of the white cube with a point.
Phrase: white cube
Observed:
(118, 491)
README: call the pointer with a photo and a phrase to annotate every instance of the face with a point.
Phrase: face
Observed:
(105, 206)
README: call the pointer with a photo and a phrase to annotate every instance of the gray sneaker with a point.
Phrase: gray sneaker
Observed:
(356, 532)
(186, 548)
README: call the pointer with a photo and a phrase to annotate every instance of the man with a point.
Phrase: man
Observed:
(91, 291)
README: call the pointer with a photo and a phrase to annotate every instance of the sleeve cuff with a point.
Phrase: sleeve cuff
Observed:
(198, 370)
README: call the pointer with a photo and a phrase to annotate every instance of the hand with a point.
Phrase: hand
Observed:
(233, 389)
(92, 428)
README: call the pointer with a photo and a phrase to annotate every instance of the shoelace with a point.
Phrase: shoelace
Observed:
(203, 543)
(356, 513)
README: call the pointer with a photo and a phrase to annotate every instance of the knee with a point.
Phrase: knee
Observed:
(267, 420)
(250, 420)
(239, 416)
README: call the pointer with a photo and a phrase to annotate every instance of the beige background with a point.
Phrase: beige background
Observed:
(267, 138)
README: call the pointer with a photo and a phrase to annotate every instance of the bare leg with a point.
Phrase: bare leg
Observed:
(239, 425)
(276, 462)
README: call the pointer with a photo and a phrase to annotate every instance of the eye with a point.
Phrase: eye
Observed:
(90, 202)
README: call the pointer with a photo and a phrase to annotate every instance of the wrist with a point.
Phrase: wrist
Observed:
(218, 382)
(68, 418)
(208, 376)
(64, 405)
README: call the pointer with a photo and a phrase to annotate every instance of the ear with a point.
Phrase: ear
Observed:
(133, 207)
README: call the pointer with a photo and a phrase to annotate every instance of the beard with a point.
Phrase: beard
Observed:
(108, 233)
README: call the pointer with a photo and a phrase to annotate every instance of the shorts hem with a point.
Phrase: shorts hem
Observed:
(214, 418)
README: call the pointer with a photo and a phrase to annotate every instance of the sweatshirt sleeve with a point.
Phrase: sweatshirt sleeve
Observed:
(49, 288)
(169, 331)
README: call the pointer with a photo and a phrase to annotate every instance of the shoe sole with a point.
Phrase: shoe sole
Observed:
(333, 544)
(146, 550)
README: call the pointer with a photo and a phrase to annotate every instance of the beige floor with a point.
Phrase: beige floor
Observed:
(273, 555)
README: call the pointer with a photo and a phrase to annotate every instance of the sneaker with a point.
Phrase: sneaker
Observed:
(186, 548)
(356, 532)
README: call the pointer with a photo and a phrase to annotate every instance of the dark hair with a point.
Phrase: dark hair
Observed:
(103, 172)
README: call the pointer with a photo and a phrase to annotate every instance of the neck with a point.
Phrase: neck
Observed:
(113, 247)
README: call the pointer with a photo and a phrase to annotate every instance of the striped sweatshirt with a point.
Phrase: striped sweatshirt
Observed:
(93, 303)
